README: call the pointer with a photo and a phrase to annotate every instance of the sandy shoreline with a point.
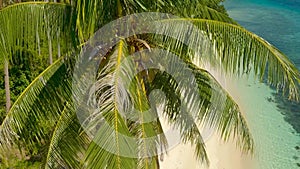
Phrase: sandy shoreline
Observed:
(221, 155)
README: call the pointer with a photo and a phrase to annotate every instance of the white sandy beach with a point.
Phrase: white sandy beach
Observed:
(221, 155)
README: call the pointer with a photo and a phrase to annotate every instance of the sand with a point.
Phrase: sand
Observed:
(221, 155)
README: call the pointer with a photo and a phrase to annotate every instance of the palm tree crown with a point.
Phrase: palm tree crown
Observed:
(97, 105)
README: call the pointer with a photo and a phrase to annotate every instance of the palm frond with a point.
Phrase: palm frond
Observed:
(107, 119)
(208, 104)
(179, 116)
(120, 124)
(233, 48)
(221, 112)
(145, 126)
(23, 26)
(188, 8)
(92, 15)
(68, 141)
(217, 110)
(197, 9)
(40, 103)
(182, 100)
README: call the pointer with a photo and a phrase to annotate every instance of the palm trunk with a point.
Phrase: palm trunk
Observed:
(1, 4)
(58, 45)
(6, 82)
(50, 47)
(38, 42)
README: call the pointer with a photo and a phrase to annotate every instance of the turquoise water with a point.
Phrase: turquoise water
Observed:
(274, 122)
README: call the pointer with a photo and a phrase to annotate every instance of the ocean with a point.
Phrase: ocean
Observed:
(273, 120)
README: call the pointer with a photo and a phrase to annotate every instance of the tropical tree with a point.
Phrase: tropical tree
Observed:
(120, 102)
(6, 79)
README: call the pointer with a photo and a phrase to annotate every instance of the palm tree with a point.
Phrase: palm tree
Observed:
(6, 79)
(46, 112)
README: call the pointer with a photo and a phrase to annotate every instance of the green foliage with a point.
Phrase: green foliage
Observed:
(27, 45)
(42, 123)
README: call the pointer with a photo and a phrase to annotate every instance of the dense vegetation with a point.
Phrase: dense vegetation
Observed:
(42, 129)
(24, 69)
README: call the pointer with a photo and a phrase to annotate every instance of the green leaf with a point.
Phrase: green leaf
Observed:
(68, 141)
(23, 25)
(232, 48)
(40, 103)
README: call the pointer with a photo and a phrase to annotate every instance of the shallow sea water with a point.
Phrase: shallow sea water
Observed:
(274, 121)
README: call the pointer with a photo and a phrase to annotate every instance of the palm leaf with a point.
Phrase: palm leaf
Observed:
(115, 151)
(23, 25)
(92, 15)
(68, 141)
(42, 101)
(197, 9)
(145, 126)
(233, 48)
(217, 110)
(182, 102)
(49, 95)
(42, 115)
(221, 112)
